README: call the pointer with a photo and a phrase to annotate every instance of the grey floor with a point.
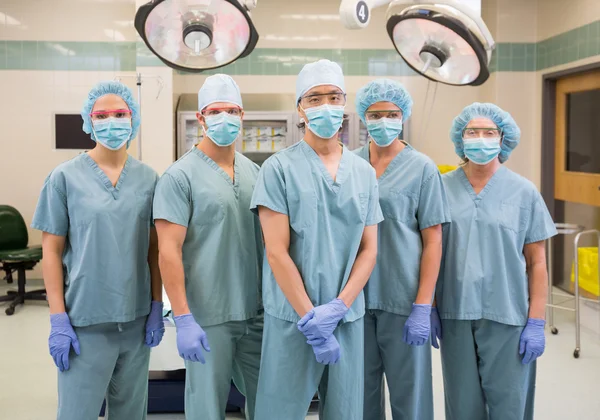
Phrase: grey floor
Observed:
(566, 388)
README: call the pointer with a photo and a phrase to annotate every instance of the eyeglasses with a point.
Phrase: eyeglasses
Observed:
(236, 112)
(377, 115)
(114, 113)
(481, 132)
(324, 98)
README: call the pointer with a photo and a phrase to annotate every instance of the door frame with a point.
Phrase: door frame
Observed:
(548, 142)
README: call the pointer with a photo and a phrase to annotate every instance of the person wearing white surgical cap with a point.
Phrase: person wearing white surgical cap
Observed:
(211, 252)
(319, 208)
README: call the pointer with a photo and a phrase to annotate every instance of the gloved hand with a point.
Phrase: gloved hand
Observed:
(191, 339)
(418, 325)
(436, 328)
(320, 322)
(62, 337)
(328, 353)
(155, 328)
(533, 341)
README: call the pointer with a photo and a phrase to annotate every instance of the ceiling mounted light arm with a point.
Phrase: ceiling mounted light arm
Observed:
(197, 35)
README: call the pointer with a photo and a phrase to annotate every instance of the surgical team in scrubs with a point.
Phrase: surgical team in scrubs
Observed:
(400, 290)
(491, 293)
(211, 253)
(319, 208)
(101, 265)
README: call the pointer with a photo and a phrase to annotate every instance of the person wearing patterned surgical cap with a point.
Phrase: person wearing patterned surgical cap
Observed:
(491, 293)
(101, 265)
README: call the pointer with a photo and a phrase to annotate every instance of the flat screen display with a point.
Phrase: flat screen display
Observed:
(68, 133)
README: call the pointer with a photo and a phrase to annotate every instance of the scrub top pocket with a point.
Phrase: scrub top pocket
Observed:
(513, 217)
(144, 205)
(208, 208)
(399, 206)
(302, 208)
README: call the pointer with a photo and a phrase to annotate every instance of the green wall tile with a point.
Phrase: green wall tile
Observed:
(14, 55)
(29, 55)
(2, 55)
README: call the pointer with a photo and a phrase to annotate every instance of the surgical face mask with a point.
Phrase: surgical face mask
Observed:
(482, 151)
(325, 120)
(223, 128)
(112, 133)
(384, 131)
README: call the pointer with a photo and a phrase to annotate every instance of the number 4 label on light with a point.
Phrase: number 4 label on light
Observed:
(362, 12)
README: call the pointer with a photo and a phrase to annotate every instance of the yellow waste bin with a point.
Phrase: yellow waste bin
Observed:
(446, 168)
(588, 270)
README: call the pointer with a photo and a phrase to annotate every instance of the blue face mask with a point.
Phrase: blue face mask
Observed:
(384, 131)
(223, 129)
(325, 120)
(112, 133)
(482, 151)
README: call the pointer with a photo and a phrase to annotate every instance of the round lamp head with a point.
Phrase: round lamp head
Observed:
(440, 42)
(196, 35)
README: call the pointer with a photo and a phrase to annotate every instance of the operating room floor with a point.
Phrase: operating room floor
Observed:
(566, 388)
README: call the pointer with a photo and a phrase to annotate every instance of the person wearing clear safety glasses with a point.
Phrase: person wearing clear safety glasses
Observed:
(319, 208)
(211, 255)
(101, 265)
(491, 293)
(400, 291)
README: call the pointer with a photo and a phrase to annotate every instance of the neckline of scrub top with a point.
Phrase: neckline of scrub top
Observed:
(340, 176)
(235, 182)
(484, 191)
(394, 162)
(104, 178)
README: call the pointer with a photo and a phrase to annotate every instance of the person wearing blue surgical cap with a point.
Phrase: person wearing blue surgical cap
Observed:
(211, 253)
(101, 265)
(318, 205)
(491, 293)
(400, 291)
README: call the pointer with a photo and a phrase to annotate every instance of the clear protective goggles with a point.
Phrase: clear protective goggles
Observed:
(481, 132)
(334, 98)
(377, 115)
(233, 111)
(114, 113)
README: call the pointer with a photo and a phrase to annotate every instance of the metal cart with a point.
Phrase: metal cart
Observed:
(578, 231)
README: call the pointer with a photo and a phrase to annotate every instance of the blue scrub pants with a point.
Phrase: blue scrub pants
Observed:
(114, 364)
(484, 378)
(290, 374)
(235, 353)
(407, 370)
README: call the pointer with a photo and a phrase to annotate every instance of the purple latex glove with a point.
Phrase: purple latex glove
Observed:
(320, 322)
(191, 339)
(328, 353)
(533, 340)
(436, 328)
(418, 325)
(62, 337)
(155, 328)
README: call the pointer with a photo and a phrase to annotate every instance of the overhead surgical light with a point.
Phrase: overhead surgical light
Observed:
(443, 40)
(197, 35)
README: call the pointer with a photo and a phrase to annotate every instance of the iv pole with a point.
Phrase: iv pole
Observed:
(138, 82)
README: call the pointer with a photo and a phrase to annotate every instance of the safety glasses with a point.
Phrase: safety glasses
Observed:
(114, 113)
(377, 115)
(334, 98)
(233, 111)
(481, 132)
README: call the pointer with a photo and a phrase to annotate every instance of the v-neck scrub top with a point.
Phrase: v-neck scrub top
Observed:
(483, 273)
(107, 230)
(327, 221)
(223, 248)
(412, 197)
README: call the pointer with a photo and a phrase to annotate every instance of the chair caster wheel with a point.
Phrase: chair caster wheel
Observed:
(554, 330)
(9, 311)
(576, 354)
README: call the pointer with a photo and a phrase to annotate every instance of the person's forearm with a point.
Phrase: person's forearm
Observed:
(361, 271)
(52, 268)
(173, 277)
(430, 269)
(289, 280)
(155, 278)
(538, 290)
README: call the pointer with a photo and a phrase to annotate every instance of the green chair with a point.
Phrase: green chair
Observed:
(15, 255)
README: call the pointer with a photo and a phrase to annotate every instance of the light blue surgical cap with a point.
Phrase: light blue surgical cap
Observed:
(511, 134)
(383, 90)
(111, 88)
(219, 88)
(319, 73)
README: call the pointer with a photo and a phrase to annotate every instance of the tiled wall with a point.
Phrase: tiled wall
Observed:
(564, 48)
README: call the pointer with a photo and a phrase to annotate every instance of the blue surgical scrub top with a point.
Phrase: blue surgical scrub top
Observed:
(327, 221)
(223, 248)
(483, 273)
(107, 229)
(412, 197)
